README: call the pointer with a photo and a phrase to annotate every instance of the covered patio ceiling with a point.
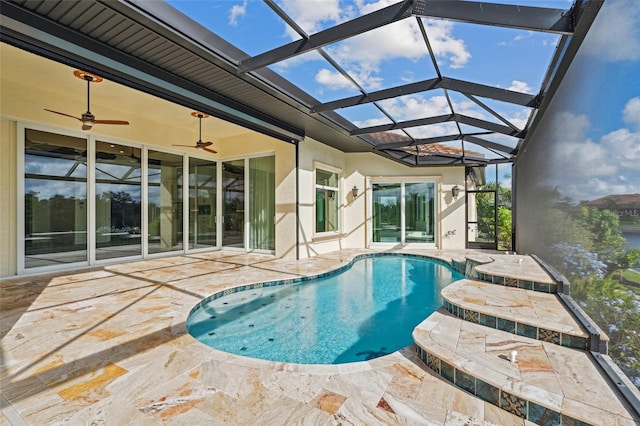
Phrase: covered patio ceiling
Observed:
(174, 52)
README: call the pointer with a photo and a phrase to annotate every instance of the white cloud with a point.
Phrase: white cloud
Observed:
(615, 35)
(332, 80)
(589, 169)
(363, 55)
(236, 12)
(311, 14)
(631, 112)
(519, 86)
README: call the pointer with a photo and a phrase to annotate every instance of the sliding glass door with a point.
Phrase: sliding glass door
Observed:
(164, 221)
(202, 203)
(233, 203)
(403, 212)
(387, 225)
(55, 199)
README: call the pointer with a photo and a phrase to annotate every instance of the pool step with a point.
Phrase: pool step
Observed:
(548, 383)
(527, 313)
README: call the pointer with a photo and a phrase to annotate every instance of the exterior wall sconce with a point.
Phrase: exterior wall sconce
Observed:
(354, 191)
(455, 191)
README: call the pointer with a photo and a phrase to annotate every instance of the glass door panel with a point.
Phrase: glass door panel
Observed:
(419, 212)
(118, 201)
(262, 193)
(55, 191)
(481, 219)
(165, 202)
(202, 203)
(386, 213)
(233, 203)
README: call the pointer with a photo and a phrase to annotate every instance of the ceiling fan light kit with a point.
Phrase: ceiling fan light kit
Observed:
(88, 119)
(202, 146)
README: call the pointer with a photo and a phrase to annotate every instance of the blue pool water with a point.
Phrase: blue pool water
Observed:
(365, 312)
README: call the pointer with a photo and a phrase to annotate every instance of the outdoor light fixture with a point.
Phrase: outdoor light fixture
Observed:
(354, 191)
(455, 191)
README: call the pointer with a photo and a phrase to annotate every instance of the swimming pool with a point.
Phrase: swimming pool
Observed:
(360, 313)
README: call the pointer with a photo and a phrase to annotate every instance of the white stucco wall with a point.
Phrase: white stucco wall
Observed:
(357, 168)
(23, 101)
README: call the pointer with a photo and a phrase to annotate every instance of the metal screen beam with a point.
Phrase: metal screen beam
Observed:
(488, 125)
(558, 21)
(490, 92)
(393, 92)
(416, 142)
(491, 145)
(403, 124)
(466, 87)
(334, 34)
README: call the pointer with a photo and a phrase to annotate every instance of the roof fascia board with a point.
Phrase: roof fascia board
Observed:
(334, 34)
(528, 18)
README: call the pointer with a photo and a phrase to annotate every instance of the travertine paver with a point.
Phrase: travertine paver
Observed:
(109, 345)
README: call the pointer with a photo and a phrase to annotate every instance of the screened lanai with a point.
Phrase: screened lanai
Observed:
(348, 76)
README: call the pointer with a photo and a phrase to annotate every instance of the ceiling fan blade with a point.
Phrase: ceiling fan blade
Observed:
(87, 127)
(205, 144)
(210, 150)
(189, 146)
(62, 113)
(122, 122)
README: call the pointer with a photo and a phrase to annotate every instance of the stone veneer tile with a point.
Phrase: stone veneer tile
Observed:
(576, 342)
(497, 280)
(465, 381)
(550, 336)
(487, 392)
(433, 363)
(487, 320)
(471, 316)
(506, 325)
(542, 287)
(542, 415)
(511, 282)
(513, 404)
(526, 285)
(527, 330)
(447, 371)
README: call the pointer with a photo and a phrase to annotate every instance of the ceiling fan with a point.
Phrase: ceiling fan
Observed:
(88, 119)
(199, 144)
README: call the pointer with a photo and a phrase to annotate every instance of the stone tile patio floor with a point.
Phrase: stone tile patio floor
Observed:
(108, 345)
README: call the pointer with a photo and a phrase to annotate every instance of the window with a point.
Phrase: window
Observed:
(327, 200)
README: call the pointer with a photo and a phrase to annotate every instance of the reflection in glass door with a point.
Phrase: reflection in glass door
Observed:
(202, 203)
(403, 212)
(386, 213)
(164, 202)
(419, 209)
(55, 199)
(233, 203)
(118, 201)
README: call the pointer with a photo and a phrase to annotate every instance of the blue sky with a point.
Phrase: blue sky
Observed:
(391, 56)
(600, 125)
(501, 57)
